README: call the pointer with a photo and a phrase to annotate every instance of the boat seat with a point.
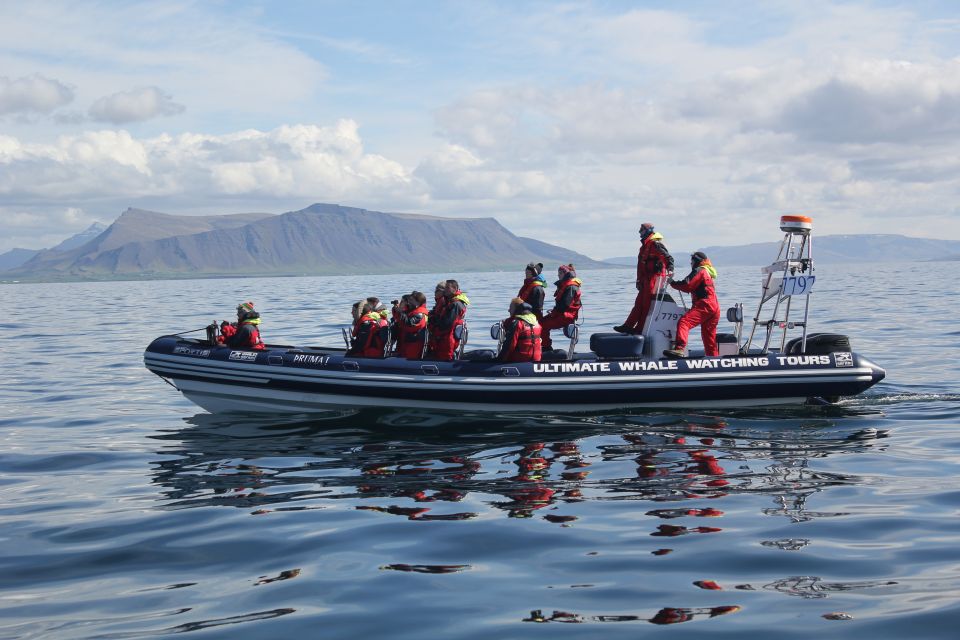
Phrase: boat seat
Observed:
(554, 355)
(479, 355)
(616, 345)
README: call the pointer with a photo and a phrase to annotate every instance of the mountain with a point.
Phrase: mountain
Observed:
(133, 226)
(622, 261)
(16, 257)
(321, 239)
(844, 248)
(81, 238)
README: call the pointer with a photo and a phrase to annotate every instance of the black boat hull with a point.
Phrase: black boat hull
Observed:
(291, 380)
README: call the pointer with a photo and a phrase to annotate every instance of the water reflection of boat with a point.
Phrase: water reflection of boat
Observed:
(518, 466)
(620, 371)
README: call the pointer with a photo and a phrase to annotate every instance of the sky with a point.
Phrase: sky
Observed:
(569, 122)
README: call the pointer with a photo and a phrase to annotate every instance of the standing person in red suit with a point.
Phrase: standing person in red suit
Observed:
(566, 309)
(521, 341)
(653, 262)
(705, 310)
(245, 332)
(533, 290)
(444, 319)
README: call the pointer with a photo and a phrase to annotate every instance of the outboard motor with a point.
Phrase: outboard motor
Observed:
(819, 344)
(213, 330)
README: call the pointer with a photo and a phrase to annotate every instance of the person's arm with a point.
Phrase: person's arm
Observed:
(536, 300)
(667, 258)
(453, 311)
(690, 283)
(415, 320)
(240, 337)
(566, 299)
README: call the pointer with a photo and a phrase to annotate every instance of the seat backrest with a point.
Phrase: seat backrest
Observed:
(572, 331)
(383, 334)
(464, 333)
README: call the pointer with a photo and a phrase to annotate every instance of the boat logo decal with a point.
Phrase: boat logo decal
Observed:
(243, 356)
(794, 360)
(728, 363)
(192, 351)
(843, 359)
(308, 359)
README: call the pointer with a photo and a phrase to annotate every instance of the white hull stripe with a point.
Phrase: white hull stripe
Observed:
(261, 374)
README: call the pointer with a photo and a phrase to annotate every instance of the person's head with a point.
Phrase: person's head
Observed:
(697, 258)
(533, 270)
(418, 298)
(374, 302)
(452, 286)
(515, 305)
(357, 309)
(645, 230)
(440, 290)
(566, 271)
(244, 309)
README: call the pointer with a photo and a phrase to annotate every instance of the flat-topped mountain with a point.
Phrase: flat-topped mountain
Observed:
(321, 239)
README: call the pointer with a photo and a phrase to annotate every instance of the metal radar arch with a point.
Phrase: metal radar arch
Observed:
(789, 276)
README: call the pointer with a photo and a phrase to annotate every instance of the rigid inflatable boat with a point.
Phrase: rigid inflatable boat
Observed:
(620, 371)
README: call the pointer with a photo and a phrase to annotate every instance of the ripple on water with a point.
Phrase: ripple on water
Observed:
(127, 513)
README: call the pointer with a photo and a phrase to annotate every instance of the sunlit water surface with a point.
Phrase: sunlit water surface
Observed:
(128, 512)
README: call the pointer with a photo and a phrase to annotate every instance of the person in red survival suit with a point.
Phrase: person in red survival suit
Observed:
(245, 332)
(566, 309)
(445, 317)
(366, 341)
(410, 322)
(533, 290)
(521, 342)
(705, 310)
(653, 262)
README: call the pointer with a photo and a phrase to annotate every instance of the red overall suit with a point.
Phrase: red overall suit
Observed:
(565, 311)
(409, 325)
(653, 262)
(705, 310)
(366, 336)
(532, 293)
(522, 343)
(242, 335)
(442, 322)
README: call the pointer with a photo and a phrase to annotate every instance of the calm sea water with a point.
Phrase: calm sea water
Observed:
(127, 512)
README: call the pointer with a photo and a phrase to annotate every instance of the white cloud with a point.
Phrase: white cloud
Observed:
(303, 161)
(135, 105)
(32, 94)
(42, 228)
(454, 173)
(872, 101)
